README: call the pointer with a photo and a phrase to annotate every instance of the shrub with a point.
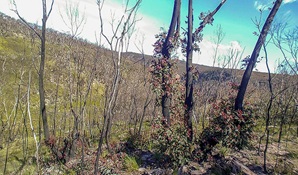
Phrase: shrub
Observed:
(130, 163)
(171, 142)
(232, 128)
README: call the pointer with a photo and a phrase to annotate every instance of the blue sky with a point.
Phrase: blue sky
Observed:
(235, 17)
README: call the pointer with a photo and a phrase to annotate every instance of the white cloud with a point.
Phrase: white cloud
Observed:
(236, 45)
(207, 51)
(146, 26)
(289, 1)
(262, 5)
(112, 10)
(265, 4)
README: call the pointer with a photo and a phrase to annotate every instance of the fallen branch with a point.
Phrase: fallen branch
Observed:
(241, 168)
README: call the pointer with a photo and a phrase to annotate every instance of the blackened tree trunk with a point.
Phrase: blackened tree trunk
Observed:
(189, 67)
(166, 52)
(189, 75)
(41, 73)
(174, 23)
(254, 56)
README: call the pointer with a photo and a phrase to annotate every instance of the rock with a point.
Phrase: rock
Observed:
(194, 165)
(169, 172)
(282, 153)
(147, 158)
(183, 170)
(195, 172)
(142, 170)
(160, 171)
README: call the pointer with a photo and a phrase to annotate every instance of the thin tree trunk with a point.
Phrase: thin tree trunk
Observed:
(42, 95)
(42, 38)
(111, 101)
(31, 124)
(290, 125)
(204, 114)
(268, 108)
(147, 102)
(55, 108)
(41, 70)
(11, 136)
(102, 134)
(25, 136)
(9, 133)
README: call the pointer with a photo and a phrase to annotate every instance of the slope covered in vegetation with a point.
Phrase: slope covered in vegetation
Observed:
(77, 78)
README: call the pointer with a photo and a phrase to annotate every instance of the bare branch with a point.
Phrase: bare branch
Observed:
(75, 22)
(23, 20)
(51, 8)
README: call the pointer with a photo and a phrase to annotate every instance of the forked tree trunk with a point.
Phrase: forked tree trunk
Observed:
(174, 23)
(42, 37)
(189, 67)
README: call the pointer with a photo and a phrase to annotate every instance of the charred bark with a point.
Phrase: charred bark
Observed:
(166, 52)
(254, 56)
(189, 75)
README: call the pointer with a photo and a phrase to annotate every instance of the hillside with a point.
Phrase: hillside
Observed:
(78, 83)
(8, 28)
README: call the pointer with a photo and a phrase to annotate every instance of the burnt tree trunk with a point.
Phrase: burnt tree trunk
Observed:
(189, 67)
(174, 23)
(166, 99)
(254, 56)
(189, 75)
